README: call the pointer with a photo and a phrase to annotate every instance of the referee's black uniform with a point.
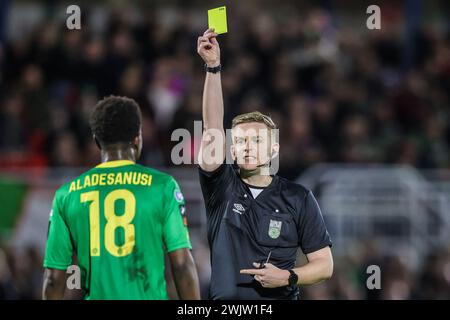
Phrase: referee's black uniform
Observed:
(243, 230)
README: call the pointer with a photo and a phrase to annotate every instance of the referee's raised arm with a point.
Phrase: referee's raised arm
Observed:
(212, 149)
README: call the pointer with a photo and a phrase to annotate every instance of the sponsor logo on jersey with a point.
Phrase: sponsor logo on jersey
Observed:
(239, 208)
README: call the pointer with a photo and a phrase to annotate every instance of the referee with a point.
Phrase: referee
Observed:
(256, 221)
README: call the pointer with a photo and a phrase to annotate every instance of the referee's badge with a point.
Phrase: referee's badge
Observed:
(274, 229)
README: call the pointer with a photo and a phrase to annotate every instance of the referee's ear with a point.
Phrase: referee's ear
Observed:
(233, 152)
(275, 150)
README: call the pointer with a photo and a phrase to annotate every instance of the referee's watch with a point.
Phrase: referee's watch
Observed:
(213, 69)
(293, 278)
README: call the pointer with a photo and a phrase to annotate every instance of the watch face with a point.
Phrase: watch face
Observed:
(293, 279)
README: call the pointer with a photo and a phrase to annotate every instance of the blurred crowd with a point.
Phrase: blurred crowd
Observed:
(338, 93)
(398, 280)
(21, 275)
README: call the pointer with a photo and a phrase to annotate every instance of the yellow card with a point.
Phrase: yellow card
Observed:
(217, 19)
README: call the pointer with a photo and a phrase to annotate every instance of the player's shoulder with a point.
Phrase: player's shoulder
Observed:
(66, 187)
(158, 177)
(292, 188)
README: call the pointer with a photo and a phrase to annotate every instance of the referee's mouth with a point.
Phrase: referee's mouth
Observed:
(250, 160)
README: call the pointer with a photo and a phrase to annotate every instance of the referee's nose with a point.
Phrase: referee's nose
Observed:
(247, 146)
(250, 148)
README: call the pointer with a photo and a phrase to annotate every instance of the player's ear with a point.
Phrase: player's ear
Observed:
(97, 142)
(137, 141)
(138, 144)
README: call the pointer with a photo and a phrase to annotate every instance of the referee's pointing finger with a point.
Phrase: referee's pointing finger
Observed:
(253, 271)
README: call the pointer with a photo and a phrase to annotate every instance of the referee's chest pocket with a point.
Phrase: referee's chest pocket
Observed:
(276, 230)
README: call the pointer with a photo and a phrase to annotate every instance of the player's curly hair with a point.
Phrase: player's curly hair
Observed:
(115, 120)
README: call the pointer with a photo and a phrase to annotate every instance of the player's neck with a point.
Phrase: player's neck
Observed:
(113, 154)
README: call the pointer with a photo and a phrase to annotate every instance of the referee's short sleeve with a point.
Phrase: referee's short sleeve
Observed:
(215, 183)
(312, 232)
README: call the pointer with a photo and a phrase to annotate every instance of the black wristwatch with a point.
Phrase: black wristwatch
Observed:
(293, 278)
(213, 69)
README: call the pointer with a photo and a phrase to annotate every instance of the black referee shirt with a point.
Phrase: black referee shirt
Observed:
(243, 230)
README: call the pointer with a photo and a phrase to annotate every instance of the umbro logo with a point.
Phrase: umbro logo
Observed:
(239, 208)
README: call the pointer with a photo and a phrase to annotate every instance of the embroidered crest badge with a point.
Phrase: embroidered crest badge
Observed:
(274, 229)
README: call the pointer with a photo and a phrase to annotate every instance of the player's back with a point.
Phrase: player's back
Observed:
(120, 217)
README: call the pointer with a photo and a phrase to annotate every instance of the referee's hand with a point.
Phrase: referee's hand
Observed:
(270, 276)
(208, 48)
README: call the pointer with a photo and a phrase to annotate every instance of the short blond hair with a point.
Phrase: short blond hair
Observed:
(254, 116)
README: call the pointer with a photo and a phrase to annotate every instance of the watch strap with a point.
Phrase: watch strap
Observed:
(213, 69)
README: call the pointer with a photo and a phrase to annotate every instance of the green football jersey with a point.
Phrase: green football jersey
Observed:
(118, 218)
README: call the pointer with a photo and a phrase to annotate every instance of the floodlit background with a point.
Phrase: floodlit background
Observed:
(363, 117)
